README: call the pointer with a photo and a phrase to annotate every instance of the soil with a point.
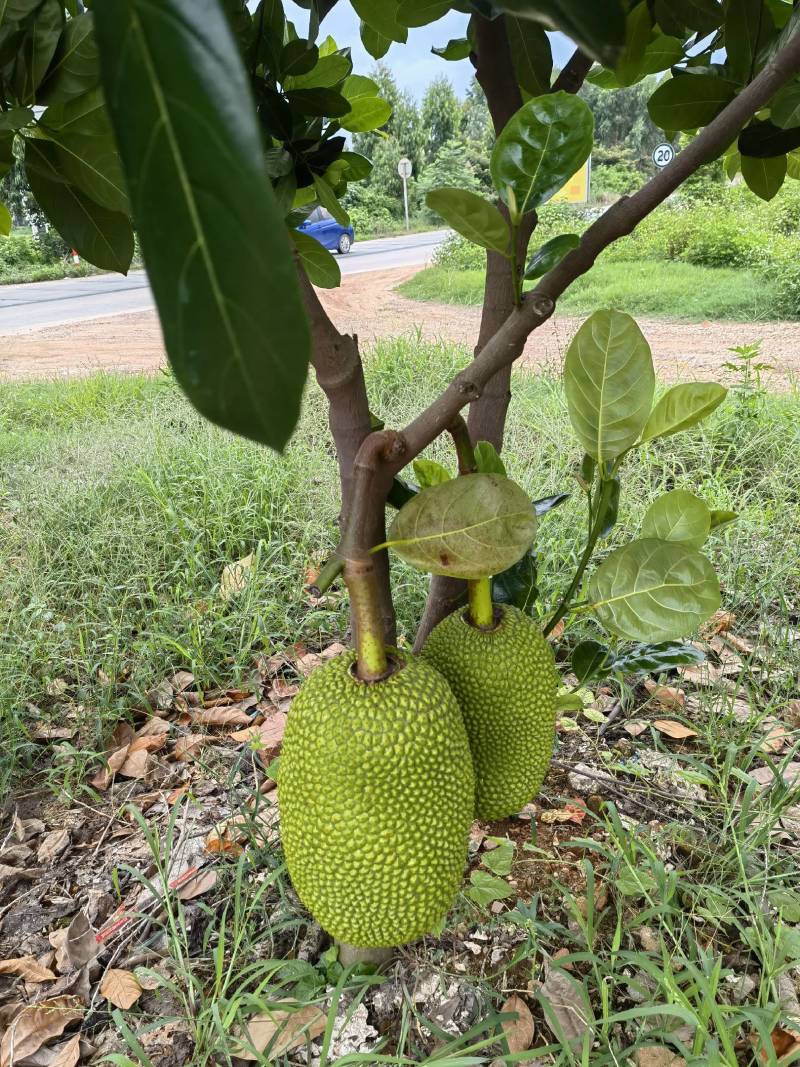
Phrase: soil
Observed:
(368, 305)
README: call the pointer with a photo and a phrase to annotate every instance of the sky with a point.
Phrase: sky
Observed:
(413, 64)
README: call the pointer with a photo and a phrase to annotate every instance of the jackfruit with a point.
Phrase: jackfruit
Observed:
(376, 794)
(505, 682)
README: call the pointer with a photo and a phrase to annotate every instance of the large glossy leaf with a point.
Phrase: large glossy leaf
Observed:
(320, 266)
(328, 71)
(92, 164)
(690, 101)
(598, 27)
(652, 590)
(638, 28)
(609, 381)
(652, 659)
(764, 139)
(75, 68)
(683, 406)
(421, 12)
(487, 459)
(375, 43)
(472, 217)
(541, 147)
(85, 116)
(327, 198)
(218, 255)
(37, 50)
(678, 516)
(590, 659)
(531, 54)
(748, 29)
(102, 237)
(518, 584)
(367, 110)
(381, 17)
(550, 254)
(457, 48)
(785, 108)
(764, 176)
(701, 15)
(471, 527)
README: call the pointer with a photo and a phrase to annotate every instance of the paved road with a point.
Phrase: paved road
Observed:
(27, 307)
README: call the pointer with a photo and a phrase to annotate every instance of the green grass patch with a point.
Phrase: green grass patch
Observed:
(669, 290)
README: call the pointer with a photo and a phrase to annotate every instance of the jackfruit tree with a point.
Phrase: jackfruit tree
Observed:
(214, 127)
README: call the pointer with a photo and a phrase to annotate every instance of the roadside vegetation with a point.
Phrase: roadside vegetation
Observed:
(717, 253)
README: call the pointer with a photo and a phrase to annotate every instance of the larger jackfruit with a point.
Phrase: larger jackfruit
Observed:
(505, 682)
(376, 794)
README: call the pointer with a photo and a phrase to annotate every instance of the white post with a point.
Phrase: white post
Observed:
(405, 200)
(404, 169)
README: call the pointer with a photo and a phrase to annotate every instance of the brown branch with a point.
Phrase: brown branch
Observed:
(618, 221)
(573, 74)
(462, 443)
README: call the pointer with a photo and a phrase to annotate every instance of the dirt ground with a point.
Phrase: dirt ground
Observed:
(368, 305)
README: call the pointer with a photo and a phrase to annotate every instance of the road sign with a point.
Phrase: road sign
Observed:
(576, 191)
(404, 168)
(663, 154)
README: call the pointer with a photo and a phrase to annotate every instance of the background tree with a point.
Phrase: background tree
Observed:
(441, 116)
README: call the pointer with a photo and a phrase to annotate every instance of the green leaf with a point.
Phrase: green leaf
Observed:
(85, 115)
(689, 101)
(6, 152)
(531, 54)
(75, 68)
(471, 216)
(517, 584)
(541, 147)
(376, 44)
(457, 48)
(320, 266)
(429, 472)
(487, 460)
(609, 382)
(598, 28)
(785, 107)
(701, 15)
(486, 888)
(722, 518)
(653, 659)
(299, 57)
(499, 860)
(678, 516)
(103, 237)
(748, 29)
(381, 17)
(15, 119)
(764, 176)
(793, 166)
(6, 222)
(550, 254)
(327, 199)
(318, 102)
(367, 110)
(547, 503)
(638, 29)
(358, 166)
(471, 527)
(92, 164)
(764, 139)
(590, 660)
(213, 248)
(421, 12)
(328, 71)
(652, 590)
(661, 54)
(38, 47)
(683, 406)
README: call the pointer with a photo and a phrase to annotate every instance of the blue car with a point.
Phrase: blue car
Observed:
(323, 227)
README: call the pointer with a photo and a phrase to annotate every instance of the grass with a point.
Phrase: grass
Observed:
(119, 508)
(671, 290)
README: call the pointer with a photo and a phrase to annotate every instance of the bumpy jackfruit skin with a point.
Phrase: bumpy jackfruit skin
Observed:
(376, 794)
(506, 683)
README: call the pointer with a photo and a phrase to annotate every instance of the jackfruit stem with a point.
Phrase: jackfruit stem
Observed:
(481, 610)
(371, 661)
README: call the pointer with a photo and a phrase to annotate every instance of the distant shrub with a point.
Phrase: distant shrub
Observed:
(457, 253)
(19, 251)
(615, 179)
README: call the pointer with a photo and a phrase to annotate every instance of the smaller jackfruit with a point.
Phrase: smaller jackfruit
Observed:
(376, 793)
(505, 682)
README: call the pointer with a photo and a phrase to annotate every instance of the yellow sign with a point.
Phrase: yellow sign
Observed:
(576, 191)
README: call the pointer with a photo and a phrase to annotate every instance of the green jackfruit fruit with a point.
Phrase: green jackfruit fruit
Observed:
(505, 682)
(376, 793)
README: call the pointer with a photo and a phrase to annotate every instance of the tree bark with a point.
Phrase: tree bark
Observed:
(340, 374)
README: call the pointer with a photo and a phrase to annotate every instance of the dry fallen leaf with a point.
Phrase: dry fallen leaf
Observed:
(136, 762)
(575, 812)
(188, 747)
(120, 988)
(792, 713)
(566, 1005)
(658, 1057)
(27, 967)
(518, 1034)
(80, 943)
(765, 776)
(52, 846)
(666, 696)
(267, 737)
(635, 727)
(674, 729)
(199, 884)
(223, 716)
(719, 623)
(26, 828)
(35, 1025)
(293, 1029)
(776, 737)
(234, 577)
(69, 1054)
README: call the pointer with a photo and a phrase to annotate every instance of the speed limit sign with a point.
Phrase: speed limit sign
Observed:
(663, 154)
